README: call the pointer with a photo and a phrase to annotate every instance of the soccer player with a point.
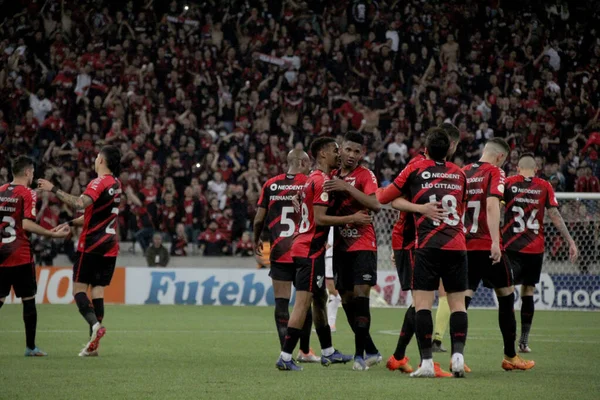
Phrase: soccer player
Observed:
(403, 242)
(98, 245)
(275, 210)
(526, 198)
(308, 251)
(440, 246)
(17, 268)
(334, 297)
(485, 189)
(355, 247)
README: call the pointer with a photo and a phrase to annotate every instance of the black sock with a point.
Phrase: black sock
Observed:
(406, 333)
(324, 334)
(467, 302)
(527, 310)
(508, 323)
(305, 338)
(98, 305)
(362, 323)
(350, 310)
(459, 324)
(291, 340)
(1, 304)
(30, 319)
(282, 316)
(85, 308)
(424, 332)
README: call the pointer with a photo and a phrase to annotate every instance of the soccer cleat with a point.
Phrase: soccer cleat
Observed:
(467, 369)
(400, 365)
(438, 347)
(360, 364)
(516, 363)
(373, 359)
(425, 370)
(439, 372)
(98, 331)
(309, 357)
(458, 365)
(85, 353)
(333, 329)
(335, 358)
(35, 352)
(524, 348)
(283, 365)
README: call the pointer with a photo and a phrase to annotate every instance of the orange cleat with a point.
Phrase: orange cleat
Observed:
(516, 363)
(400, 365)
(439, 372)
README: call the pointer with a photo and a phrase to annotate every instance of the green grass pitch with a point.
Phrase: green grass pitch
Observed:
(191, 352)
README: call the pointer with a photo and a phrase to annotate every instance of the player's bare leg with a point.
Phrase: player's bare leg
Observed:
(527, 311)
(423, 301)
(459, 324)
(508, 327)
(442, 317)
(86, 309)
(334, 303)
(30, 320)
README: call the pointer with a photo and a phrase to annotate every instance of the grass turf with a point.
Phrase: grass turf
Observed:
(190, 352)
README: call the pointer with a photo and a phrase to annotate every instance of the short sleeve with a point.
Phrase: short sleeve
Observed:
(368, 182)
(94, 189)
(320, 198)
(551, 201)
(29, 202)
(263, 200)
(497, 182)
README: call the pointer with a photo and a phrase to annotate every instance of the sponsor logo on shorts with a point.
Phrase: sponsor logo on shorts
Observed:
(367, 277)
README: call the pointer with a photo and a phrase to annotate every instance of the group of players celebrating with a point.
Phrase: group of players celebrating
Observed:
(448, 238)
(97, 248)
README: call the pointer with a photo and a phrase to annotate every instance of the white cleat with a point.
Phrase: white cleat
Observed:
(359, 364)
(85, 353)
(458, 365)
(98, 331)
(425, 370)
(309, 357)
(524, 348)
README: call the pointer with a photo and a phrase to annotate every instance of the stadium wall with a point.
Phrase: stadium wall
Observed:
(246, 287)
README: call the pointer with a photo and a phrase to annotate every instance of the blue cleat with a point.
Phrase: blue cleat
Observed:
(35, 352)
(373, 359)
(360, 364)
(335, 358)
(283, 365)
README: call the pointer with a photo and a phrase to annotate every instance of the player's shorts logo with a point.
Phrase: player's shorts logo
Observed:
(273, 187)
(515, 189)
(426, 175)
(320, 281)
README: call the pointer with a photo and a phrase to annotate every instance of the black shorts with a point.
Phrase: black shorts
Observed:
(494, 276)
(282, 271)
(310, 274)
(526, 267)
(93, 269)
(354, 268)
(21, 278)
(450, 266)
(405, 263)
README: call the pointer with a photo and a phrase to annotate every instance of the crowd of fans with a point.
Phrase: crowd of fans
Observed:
(205, 100)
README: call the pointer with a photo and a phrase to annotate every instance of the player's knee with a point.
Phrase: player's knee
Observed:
(456, 302)
(362, 290)
(502, 292)
(29, 306)
(527, 290)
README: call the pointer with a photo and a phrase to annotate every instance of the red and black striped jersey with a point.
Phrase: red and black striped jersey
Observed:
(526, 200)
(483, 180)
(17, 203)
(99, 233)
(310, 239)
(427, 181)
(281, 219)
(351, 237)
(404, 232)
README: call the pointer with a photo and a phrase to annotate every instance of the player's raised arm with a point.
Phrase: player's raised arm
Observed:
(78, 203)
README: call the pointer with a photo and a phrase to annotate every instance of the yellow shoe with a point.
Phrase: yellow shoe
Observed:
(400, 365)
(516, 362)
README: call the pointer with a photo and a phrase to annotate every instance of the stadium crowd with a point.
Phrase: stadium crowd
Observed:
(206, 100)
